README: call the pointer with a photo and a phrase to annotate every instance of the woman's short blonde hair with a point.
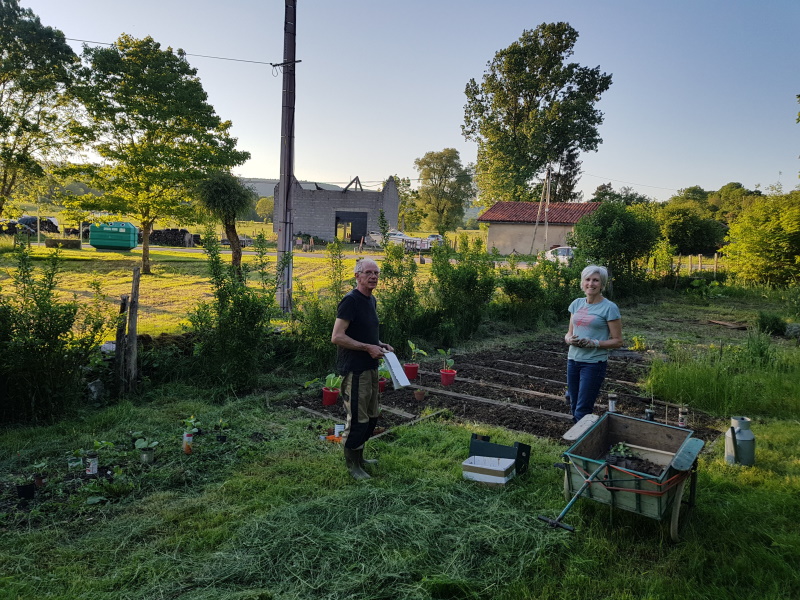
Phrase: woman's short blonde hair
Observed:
(592, 269)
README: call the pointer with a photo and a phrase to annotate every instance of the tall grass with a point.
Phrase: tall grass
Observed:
(755, 377)
(276, 515)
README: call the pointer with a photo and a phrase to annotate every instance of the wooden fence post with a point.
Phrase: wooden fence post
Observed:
(716, 260)
(119, 346)
(700, 262)
(131, 346)
(690, 265)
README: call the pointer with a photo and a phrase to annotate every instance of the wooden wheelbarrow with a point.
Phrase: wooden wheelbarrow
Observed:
(588, 472)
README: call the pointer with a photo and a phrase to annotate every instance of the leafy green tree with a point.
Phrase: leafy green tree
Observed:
(383, 227)
(35, 69)
(685, 227)
(226, 198)
(764, 241)
(445, 189)
(531, 108)
(409, 214)
(626, 195)
(265, 208)
(148, 118)
(730, 200)
(615, 236)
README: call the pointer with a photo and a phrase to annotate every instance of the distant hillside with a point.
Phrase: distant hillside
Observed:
(266, 187)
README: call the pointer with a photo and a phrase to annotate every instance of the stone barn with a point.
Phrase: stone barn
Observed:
(350, 212)
(528, 228)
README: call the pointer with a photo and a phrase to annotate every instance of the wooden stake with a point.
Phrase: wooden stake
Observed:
(131, 346)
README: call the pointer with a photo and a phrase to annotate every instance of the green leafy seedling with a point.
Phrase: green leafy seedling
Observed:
(415, 351)
(333, 381)
(448, 362)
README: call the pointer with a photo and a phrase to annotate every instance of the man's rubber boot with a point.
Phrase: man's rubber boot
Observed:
(351, 459)
(365, 461)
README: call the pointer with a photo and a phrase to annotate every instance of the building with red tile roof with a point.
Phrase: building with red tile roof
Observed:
(532, 227)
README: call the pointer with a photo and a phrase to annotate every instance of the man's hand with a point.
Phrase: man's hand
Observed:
(376, 351)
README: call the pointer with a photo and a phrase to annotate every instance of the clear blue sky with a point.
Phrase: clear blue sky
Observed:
(703, 93)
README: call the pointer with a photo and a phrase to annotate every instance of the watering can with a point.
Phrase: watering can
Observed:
(740, 443)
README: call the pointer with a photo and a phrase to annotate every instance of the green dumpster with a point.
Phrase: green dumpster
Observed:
(114, 236)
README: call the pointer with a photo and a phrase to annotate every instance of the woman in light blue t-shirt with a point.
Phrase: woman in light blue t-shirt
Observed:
(594, 329)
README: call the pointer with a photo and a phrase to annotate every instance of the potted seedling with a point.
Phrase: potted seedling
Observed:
(419, 395)
(412, 368)
(75, 461)
(189, 429)
(221, 427)
(447, 372)
(683, 413)
(384, 375)
(39, 476)
(330, 392)
(147, 449)
(650, 413)
(619, 454)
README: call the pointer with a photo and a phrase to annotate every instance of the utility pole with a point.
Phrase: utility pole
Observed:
(286, 229)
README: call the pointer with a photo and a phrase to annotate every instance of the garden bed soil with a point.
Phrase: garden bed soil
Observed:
(522, 388)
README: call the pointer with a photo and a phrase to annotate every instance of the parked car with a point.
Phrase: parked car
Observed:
(561, 254)
(436, 239)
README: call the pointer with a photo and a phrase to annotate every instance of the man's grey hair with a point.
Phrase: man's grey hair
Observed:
(592, 269)
(360, 265)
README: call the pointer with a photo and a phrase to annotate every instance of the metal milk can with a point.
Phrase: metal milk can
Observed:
(740, 443)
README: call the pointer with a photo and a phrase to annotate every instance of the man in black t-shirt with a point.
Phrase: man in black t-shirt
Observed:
(355, 332)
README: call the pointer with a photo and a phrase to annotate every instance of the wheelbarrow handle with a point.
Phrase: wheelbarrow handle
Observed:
(556, 523)
(587, 482)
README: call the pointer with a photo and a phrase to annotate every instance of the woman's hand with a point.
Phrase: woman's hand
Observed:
(570, 339)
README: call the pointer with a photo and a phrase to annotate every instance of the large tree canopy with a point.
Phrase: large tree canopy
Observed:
(445, 189)
(531, 108)
(35, 65)
(764, 241)
(149, 120)
(615, 236)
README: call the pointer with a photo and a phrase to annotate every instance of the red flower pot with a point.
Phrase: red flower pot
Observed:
(382, 384)
(329, 396)
(448, 376)
(411, 370)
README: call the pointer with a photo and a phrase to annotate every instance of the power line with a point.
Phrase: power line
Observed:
(258, 62)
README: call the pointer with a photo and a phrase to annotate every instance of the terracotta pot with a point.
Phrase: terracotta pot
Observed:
(39, 479)
(411, 370)
(382, 384)
(448, 376)
(419, 395)
(329, 396)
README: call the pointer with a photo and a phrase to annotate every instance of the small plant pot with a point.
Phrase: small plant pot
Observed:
(75, 463)
(188, 441)
(382, 384)
(147, 455)
(448, 376)
(683, 414)
(26, 491)
(419, 395)
(329, 396)
(649, 414)
(411, 370)
(39, 480)
(91, 463)
(221, 438)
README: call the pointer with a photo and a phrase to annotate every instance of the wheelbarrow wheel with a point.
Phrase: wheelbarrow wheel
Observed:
(678, 507)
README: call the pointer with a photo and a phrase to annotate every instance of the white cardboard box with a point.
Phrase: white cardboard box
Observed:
(488, 469)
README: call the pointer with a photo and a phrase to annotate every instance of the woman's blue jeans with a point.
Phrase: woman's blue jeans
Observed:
(583, 386)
